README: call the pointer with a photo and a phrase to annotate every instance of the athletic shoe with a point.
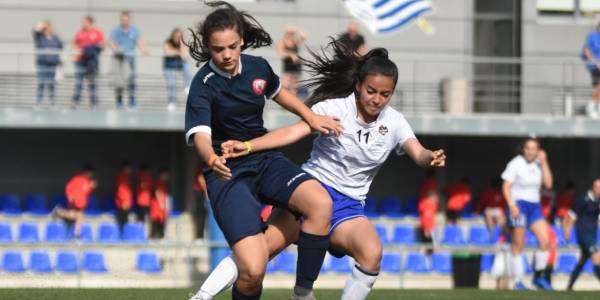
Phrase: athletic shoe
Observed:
(520, 286)
(309, 296)
(200, 296)
(542, 284)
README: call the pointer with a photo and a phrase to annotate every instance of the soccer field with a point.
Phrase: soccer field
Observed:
(152, 294)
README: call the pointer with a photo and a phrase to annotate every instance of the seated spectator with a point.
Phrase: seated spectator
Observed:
(428, 207)
(430, 184)
(48, 46)
(493, 205)
(459, 195)
(145, 188)
(124, 195)
(565, 200)
(159, 205)
(78, 190)
(175, 56)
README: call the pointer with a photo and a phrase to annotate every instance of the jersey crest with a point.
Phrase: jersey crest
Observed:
(383, 130)
(258, 86)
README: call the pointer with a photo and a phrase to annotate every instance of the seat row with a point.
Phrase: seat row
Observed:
(56, 232)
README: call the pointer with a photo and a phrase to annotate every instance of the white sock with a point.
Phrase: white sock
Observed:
(541, 260)
(517, 268)
(359, 284)
(220, 279)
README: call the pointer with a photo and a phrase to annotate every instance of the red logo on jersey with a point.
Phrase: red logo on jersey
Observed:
(383, 130)
(258, 86)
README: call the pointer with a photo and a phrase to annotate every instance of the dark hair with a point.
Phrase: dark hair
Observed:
(171, 40)
(527, 140)
(89, 18)
(337, 76)
(226, 16)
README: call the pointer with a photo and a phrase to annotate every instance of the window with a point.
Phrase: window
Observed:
(584, 8)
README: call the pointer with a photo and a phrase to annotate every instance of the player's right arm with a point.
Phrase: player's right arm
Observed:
(274, 139)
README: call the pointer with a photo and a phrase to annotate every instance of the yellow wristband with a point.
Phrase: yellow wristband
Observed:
(249, 147)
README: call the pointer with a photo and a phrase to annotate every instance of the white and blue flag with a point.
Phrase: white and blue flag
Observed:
(387, 16)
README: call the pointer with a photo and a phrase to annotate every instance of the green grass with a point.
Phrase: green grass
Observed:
(152, 294)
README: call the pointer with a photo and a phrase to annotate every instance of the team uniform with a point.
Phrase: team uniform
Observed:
(526, 179)
(231, 108)
(78, 191)
(347, 164)
(586, 210)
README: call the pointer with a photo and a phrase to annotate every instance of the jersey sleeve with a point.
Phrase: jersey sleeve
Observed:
(403, 133)
(327, 108)
(510, 173)
(273, 83)
(198, 110)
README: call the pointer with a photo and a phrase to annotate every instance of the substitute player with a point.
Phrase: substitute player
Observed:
(355, 89)
(78, 190)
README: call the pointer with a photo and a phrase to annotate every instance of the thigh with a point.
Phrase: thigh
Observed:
(356, 237)
(251, 254)
(540, 230)
(283, 230)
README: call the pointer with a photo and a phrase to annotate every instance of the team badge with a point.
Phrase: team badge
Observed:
(383, 130)
(259, 85)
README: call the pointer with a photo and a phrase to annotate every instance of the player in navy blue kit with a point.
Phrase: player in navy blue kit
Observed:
(226, 102)
(584, 215)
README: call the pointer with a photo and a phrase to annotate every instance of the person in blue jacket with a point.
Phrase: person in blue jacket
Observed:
(47, 46)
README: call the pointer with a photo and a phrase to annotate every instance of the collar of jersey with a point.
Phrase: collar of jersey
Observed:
(591, 196)
(355, 112)
(224, 74)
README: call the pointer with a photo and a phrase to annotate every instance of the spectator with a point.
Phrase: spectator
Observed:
(591, 56)
(88, 42)
(78, 190)
(288, 49)
(428, 207)
(459, 195)
(592, 109)
(123, 41)
(174, 65)
(124, 195)
(48, 46)
(565, 200)
(353, 39)
(547, 198)
(159, 206)
(493, 206)
(145, 186)
(200, 205)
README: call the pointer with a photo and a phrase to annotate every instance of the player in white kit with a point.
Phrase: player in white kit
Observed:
(356, 90)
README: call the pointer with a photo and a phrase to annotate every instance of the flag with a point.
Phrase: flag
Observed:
(387, 16)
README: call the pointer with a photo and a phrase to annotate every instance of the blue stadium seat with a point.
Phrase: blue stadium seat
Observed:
(487, 261)
(417, 263)
(479, 236)
(442, 263)
(531, 240)
(588, 267)
(391, 207)
(404, 234)
(148, 262)
(371, 207)
(37, 204)
(94, 207)
(108, 233)
(86, 235)
(469, 211)
(453, 235)
(391, 263)
(383, 233)
(498, 231)
(12, 262)
(411, 207)
(286, 262)
(135, 233)
(56, 232)
(566, 263)
(39, 262)
(5, 233)
(340, 265)
(66, 262)
(28, 233)
(272, 266)
(94, 262)
(573, 240)
(11, 205)
(58, 200)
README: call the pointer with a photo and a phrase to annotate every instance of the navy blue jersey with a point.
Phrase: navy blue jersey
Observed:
(230, 107)
(587, 210)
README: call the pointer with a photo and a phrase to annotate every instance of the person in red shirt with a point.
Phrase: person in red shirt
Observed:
(430, 184)
(565, 200)
(78, 190)
(493, 205)
(124, 195)
(459, 195)
(88, 43)
(428, 207)
(547, 203)
(145, 188)
(159, 205)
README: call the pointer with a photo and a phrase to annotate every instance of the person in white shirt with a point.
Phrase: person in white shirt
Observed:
(523, 178)
(356, 90)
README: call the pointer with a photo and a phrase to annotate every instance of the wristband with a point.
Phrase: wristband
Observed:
(249, 147)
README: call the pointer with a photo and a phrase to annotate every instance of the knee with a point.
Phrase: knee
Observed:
(251, 275)
(370, 258)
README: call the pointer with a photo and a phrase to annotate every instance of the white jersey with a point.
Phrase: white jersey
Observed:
(526, 179)
(349, 162)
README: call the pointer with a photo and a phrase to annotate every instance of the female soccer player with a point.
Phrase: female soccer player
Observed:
(355, 89)
(225, 102)
(523, 179)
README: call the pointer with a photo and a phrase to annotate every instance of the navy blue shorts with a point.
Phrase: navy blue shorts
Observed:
(530, 213)
(344, 209)
(266, 177)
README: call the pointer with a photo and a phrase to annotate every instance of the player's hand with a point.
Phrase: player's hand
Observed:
(438, 158)
(542, 156)
(217, 164)
(514, 210)
(233, 149)
(325, 124)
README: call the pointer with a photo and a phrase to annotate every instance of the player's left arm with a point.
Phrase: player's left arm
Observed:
(424, 157)
(547, 178)
(323, 124)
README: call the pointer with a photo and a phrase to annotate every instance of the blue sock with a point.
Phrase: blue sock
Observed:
(311, 253)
